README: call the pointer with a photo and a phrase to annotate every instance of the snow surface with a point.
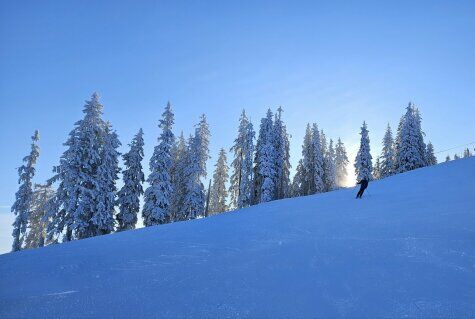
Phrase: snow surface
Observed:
(407, 249)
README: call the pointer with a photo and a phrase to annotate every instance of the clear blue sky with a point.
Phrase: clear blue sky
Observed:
(334, 63)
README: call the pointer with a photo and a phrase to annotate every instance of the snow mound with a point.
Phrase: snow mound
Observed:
(407, 249)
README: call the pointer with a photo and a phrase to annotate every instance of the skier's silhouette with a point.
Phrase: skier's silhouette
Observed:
(364, 183)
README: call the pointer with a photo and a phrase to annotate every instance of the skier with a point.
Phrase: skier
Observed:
(364, 184)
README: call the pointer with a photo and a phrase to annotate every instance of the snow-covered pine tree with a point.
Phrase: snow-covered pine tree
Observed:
(180, 162)
(282, 157)
(194, 200)
(101, 185)
(456, 157)
(107, 175)
(324, 148)
(297, 181)
(247, 176)
(421, 145)
(241, 179)
(397, 144)
(22, 206)
(86, 173)
(363, 161)
(387, 154)
(341, 161)
(447, 158)
(219, 193)
(198, 154)
(265, 173)
(430, 156)
(467, 153)
(377, 169)
(133, 177)
(58, 217)
(36, 236)
(157, 196)
(89, 143)
(308, 166)
(60, 208)
(236, 164)
(202, 134)
(409, 146)
(318, 160)
(323, 143)
(330, 168)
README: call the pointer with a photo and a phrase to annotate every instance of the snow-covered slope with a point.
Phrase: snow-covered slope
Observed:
(406, 250)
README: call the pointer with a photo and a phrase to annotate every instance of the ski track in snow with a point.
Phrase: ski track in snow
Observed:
(62, 293)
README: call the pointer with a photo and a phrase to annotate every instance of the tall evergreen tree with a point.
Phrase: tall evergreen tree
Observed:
(133, 176)
(467, 153)
(387, 155)
(236, 164)
(36, 236)
(409, 147)
(265, 172)
(58, 215)
(341, 161)
(194, 200)
(421, 145)
(202, 136)
(107, 175)
(297, 181)
(377, 169)
(24, 196)
(430, 156)
(397, 143)
(323, 143)
(282, 157)
(157, 196)
(363, 161)
(310, 177)
(318, 160)
(324, 150)
(83, 203)
(219, 193)
(180, 162)
(247, 177)
(241, 178)
(89, 142)
(308, 166)
(198, 154)
(330, 168)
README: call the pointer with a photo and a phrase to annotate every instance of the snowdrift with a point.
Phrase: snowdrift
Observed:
(407, 249)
